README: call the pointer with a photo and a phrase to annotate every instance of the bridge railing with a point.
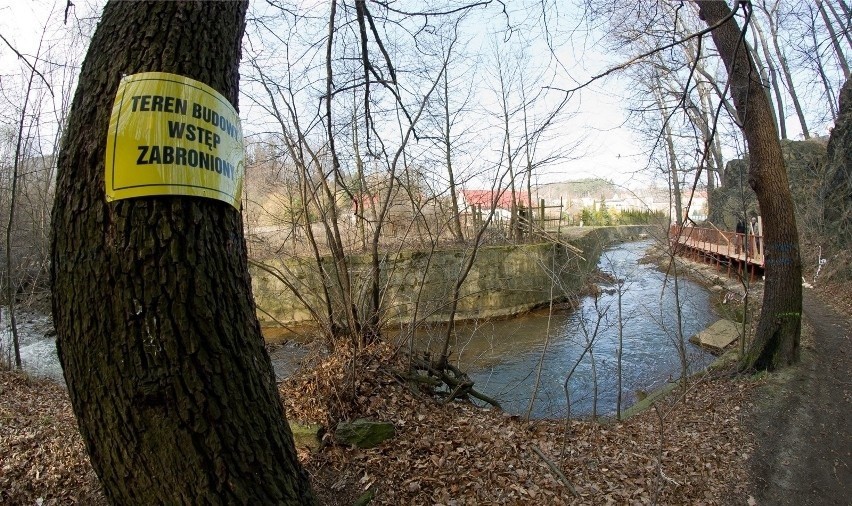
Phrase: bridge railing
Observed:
(744, 247)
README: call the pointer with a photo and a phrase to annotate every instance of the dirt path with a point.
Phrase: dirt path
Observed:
(803, 418)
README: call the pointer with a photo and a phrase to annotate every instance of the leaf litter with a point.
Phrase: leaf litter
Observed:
(691, 448)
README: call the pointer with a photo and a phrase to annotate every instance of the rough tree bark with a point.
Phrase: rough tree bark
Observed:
(776, 341)
(173, 391)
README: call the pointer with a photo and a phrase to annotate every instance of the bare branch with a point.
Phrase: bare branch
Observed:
(642, 56)
(27, 62)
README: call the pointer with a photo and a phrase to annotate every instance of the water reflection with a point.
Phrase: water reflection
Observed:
(503, 356)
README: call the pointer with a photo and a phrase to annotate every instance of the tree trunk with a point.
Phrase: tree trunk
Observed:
(773, 75)
(776, 341)
(173, 390)
(715, 144)
(788, 76)
(362, 196)
(829, 90)
(845, 26)
(514, 229)
(700, 117)
(527, 141)
(670, 150)
(455, 224)
(835, 41)
(309, 195)
(11, 283)
(707, 112)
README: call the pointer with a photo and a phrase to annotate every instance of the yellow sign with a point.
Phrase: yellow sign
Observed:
(171, 135)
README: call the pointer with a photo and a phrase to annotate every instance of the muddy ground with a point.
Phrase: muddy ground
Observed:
(801, 418)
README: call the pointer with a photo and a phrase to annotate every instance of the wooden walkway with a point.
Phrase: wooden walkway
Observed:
(739, 252)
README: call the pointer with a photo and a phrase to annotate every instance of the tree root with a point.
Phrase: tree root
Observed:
(459, 384)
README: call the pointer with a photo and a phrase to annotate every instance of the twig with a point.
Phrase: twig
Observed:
(644, 55)
(456, 392)
(555, 470)
(663, 474)
(27, 62)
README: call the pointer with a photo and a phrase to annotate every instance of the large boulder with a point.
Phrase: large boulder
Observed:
(820, 177)
(806, 172)
(734, 198)
(837, 211)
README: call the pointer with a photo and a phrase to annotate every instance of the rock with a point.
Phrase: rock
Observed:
(718, 336)
(804, 160)
(365, 498)
(307, 435)
(838, 190)
(364, 433)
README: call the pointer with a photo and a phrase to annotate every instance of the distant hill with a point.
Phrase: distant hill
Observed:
(576, 189)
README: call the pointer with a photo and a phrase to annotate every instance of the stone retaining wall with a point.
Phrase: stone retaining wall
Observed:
(504, 280)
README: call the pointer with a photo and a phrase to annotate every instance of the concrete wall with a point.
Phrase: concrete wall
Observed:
(504, 280)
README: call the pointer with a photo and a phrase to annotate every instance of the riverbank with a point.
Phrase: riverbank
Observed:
(694, 447)
(502, 281)
(734, 297)
(689, 449)
(441, 452)
(729, 303)
(798, 417)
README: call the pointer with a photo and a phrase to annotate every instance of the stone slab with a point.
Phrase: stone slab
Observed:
(718, 336)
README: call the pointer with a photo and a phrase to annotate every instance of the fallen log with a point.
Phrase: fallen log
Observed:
(458, 382)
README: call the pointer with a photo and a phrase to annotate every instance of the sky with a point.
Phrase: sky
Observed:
(609, 150)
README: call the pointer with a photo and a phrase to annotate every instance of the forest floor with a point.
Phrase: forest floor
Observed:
(780, 438)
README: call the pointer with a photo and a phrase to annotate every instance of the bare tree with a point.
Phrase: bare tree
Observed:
(835, 40)
(673, 172)
(13, 202)
(772, 17)
(776, 340)
(778, 110)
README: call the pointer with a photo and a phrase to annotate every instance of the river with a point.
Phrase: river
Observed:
(504, 356)
(37, 344)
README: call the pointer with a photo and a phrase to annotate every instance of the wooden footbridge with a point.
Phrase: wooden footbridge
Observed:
(734, 251)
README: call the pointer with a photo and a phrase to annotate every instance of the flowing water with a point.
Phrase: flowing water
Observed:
(39, 358)
(503, 357)
(37, 344)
